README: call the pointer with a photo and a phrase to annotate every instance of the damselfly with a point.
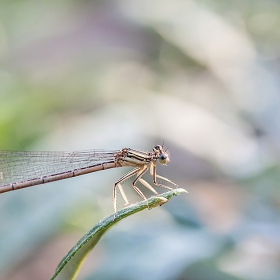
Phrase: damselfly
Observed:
(21, 169)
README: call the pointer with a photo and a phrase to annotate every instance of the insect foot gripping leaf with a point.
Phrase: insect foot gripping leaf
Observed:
(69, 266)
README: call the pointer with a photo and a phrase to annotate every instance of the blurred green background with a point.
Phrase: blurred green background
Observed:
(200, 76)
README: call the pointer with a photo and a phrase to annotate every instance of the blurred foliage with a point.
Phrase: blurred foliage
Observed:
(202, 76)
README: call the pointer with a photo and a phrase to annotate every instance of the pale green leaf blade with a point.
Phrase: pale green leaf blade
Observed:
(71, 263)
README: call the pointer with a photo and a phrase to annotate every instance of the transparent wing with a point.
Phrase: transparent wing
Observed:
(18, 166)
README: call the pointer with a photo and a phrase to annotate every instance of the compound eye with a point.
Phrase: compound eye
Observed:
(163, 159)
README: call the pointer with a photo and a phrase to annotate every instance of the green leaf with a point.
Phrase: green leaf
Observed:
(69, 266)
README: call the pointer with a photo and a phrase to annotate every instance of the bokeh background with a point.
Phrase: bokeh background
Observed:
(200, 76)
